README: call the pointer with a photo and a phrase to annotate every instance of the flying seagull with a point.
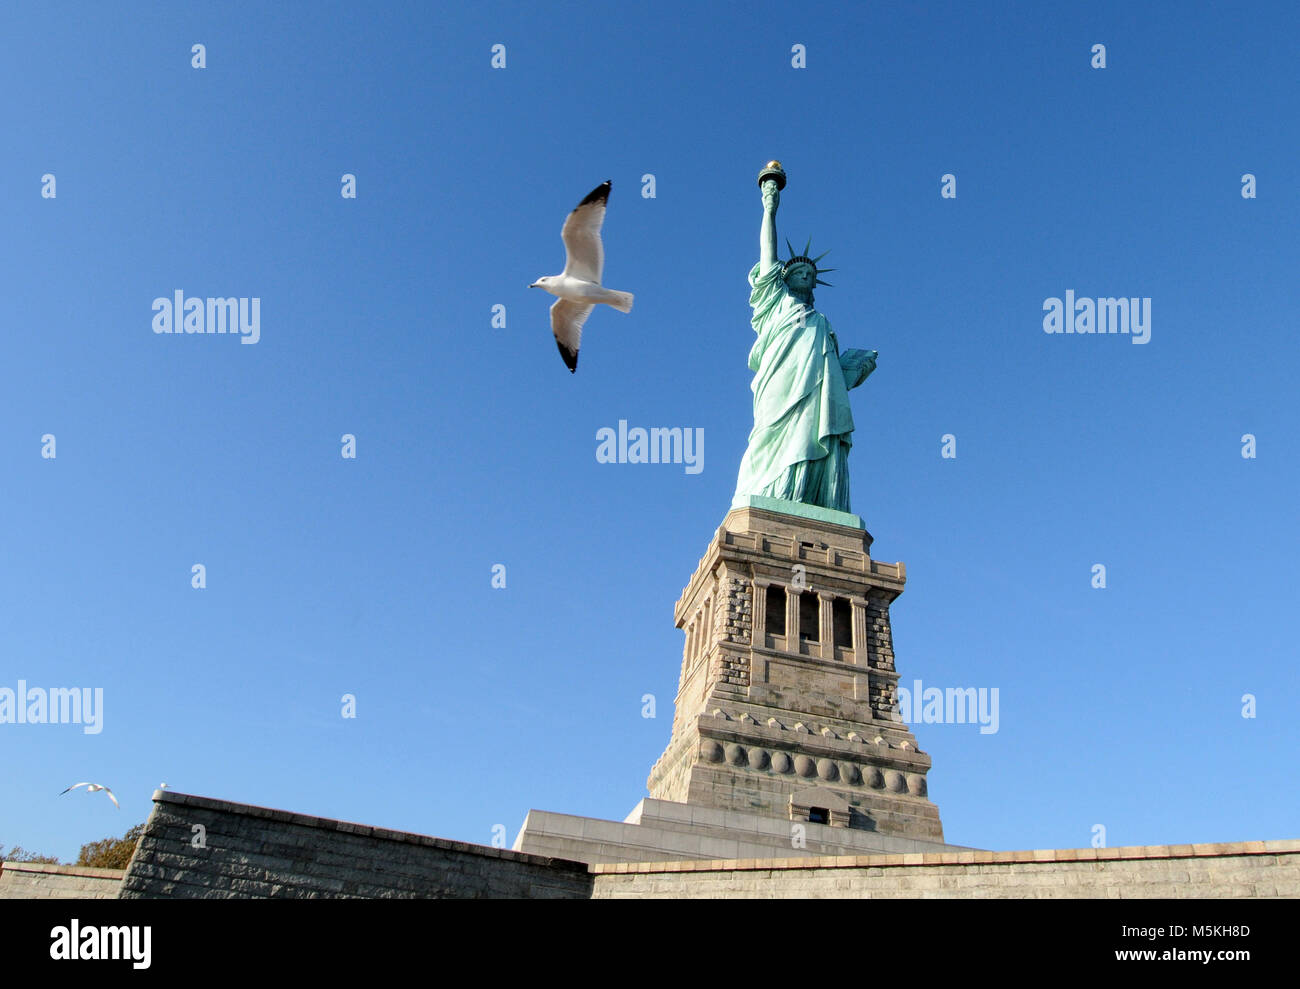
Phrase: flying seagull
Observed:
(578, 287)
(91, 788)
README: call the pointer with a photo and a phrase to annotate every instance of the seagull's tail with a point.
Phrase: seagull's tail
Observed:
(622, 301)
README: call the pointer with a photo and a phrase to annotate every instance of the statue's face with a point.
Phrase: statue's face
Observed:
(801, 277)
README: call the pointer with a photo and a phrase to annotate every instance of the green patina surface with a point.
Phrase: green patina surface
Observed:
(803, 427)
(799, 510)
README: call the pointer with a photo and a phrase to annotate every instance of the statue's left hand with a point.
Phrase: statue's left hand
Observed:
(857, 365)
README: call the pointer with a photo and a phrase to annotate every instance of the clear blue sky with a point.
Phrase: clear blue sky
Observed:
(476, 446)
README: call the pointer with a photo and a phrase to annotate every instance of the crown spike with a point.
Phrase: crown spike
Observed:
(827, 284)
(806, 246)
(820, 256)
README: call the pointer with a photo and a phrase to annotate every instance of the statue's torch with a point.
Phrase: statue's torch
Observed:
(772, 170)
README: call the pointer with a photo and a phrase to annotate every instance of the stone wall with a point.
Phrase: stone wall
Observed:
(38, 881)
(254, 852)
(199, 848)
(737, 613)
(1238, 869)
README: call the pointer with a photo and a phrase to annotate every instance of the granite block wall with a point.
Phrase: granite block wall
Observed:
(199, 848)
(1238, 869)
(38, 881)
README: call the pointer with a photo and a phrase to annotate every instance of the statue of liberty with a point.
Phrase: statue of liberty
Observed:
(803, 427)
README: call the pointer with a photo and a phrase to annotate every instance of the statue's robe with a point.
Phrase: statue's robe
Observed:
(803, 427)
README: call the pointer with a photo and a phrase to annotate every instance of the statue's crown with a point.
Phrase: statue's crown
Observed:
(805, 259)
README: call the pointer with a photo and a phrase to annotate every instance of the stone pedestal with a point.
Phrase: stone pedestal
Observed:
(786, 702)
(785, 739)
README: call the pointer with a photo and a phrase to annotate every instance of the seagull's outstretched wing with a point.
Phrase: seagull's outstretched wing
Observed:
(93, 787)
(566, 323)
(585, 254)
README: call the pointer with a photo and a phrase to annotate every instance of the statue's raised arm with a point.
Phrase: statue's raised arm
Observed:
(770, 181)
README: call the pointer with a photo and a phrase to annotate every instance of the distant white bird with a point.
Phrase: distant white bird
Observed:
(578, 287)
(91, 788)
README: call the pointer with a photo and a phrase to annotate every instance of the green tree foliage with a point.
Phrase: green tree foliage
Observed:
(111, 853)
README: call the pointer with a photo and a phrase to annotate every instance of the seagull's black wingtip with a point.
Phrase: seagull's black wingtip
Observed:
(570, 357)
(597, 195)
